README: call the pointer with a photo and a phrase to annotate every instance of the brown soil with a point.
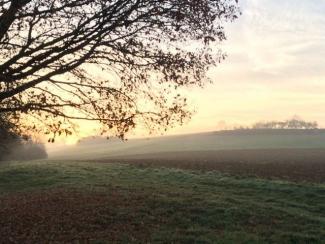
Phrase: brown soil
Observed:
(61, 216)
(285, 164)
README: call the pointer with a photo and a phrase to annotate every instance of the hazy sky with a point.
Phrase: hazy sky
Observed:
(275, 67)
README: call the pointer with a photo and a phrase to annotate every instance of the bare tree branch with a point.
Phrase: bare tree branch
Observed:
(107, 61)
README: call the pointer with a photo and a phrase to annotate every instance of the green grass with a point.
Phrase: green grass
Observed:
(196, 207)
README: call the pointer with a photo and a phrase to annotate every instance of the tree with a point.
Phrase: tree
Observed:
(15, 146)
(118, 62)
(8, 132)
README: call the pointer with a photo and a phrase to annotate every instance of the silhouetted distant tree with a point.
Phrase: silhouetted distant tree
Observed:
(118, 62)
(16, 146)
(8, 132)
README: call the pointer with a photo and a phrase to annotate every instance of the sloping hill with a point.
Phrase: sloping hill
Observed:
(100, 148)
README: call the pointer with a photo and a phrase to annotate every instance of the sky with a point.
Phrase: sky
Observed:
(275, 68)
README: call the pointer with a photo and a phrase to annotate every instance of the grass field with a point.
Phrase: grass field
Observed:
(298, 165)
(85, 202)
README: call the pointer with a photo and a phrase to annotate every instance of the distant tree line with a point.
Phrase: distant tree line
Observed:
(293, 123)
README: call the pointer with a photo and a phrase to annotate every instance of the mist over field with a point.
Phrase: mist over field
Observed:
(101, 148)
(240, 186)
